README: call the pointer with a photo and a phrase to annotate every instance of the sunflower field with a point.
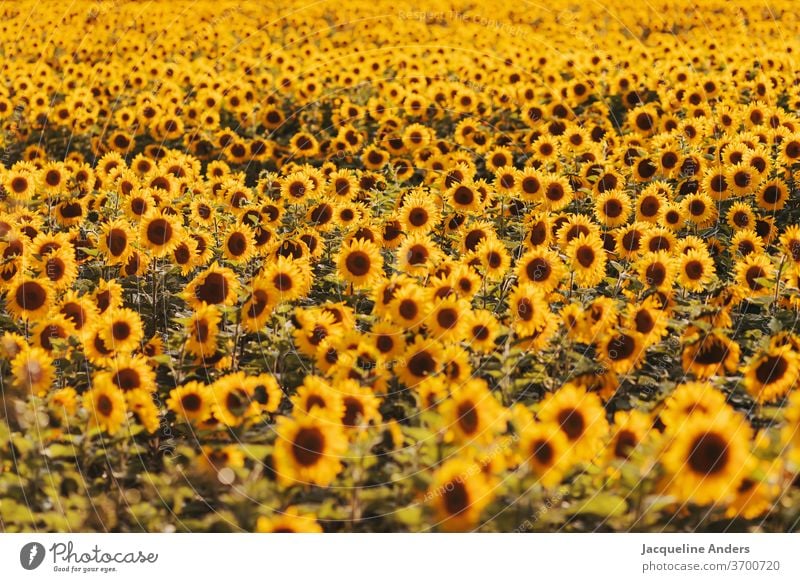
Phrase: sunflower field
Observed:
(371, 266)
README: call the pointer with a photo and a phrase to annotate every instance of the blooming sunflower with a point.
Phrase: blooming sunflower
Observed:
(705, 459)
(459, 494)
(710, 355)
(33, 370)
(288, 521)
(106, 406)
(29, 298)
(202, 329)
(192, 401)
(695, 270)
(472, 413)
(144, 409)
(318, 399)
(214, 286)
(421, 359)
(115, 241)
(481, 330)
(121, 329)
(755, 274)
(581, 417)
(623, 350)
(547, 452)
(239, 244)
(630, 429)
(360, 263)
(128, 372)
(308, 450)
(286, 278)
(527, 309)
(233, 399)
(588, 260)
(159, 233)
(771, 375)
(542, 267)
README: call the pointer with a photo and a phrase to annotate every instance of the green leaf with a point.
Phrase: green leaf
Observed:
(602, 505)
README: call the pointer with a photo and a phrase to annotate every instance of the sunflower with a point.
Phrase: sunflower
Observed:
(233, 401)
(588, 260)
(710, 355)
(557, 192)
(33, 370)
(692, 399)
(527, 309)
(447, 319)
(613, 208)
(144, 409)
(581, 417)
(472, 414)
(623, 350)
(421, 359)
(459, 494)
(28, 298)
(695, 270)
(756, 493)
(360, 263)
(286, 278)
(755, 275)
(127, 373)
(192, 401)
(361, 406)
(54, 333)
(494, 258)
(672, 216)
(790, 241)
(547, 452)
(772, 195)
(464, 197)
(705, 459)
(267, 394)
(159, 233)
(214, 286)
(700, 209)
(317, 398)
(542, 267)
(629, 239)
(418, 213)
(258, 307)
(407, 307)
(288, 521)
(308, 450)
(481, 330)
(313, 326)
(115, 241)
(656, 270)
(238, 245)
(418, 254)
(630, 429)
(647, 319)
(388, 339)
(121, 329)
(78, 310)
(202, 329)
(747, 242)
(106, 406)
(59, 267)
(771, 375)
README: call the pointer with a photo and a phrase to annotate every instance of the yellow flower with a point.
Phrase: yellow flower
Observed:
(308, 451)
(106, 406)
